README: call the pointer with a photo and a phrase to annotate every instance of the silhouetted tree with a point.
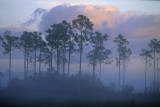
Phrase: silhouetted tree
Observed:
(9, 43)
(92, 56)
(70, 47)
(120, 42)
(99, 54)
(53, 39)
(146, 56)
(82, 27)
(43, 51)
(126, 52)
(46, 58)
(154, 48)
(25, 45)
(36, 38)
(57, 39)
(66, 36)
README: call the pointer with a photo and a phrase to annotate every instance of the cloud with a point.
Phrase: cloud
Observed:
(139, 27)
(97, 14)
(36, 17)
(107, 19)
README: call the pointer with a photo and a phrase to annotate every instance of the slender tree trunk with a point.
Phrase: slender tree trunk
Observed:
(64, 60)
(10, 66)
(157, 74)
(154, 73)
(69, 58)
(80, 71)
(93, 71)
(25, 64)
(100, 70)
(35, 63)
(40, 54)
(145, 75)
(123, 74)
(57, 60)
(119, 74)
(51, 61)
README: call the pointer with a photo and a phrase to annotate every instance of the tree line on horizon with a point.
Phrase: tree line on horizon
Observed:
(64, 39)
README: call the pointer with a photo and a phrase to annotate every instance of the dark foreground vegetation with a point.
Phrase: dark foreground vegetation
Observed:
(58, 90)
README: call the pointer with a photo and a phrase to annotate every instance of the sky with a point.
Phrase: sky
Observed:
(137, 20)
(15, 13)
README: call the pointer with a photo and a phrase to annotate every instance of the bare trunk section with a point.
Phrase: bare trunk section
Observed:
(119, 74)
(123, 74)
(10, 66)
(100, 70)
(25, 54)
(145, 87)
(35, 56)
(51, 62)
(40, 54)
(80, 71)
(57, 60)
(157, 75)
(69, 58)
(154, 73)
(93, 71)
(27, 64)
(64, 60)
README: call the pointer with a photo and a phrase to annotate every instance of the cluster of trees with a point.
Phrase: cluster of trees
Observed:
(63, 39)
(152, 53)
(60, 42)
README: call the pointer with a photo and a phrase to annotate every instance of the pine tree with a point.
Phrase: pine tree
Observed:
(9, 43)
(146, 56)
(82, 27)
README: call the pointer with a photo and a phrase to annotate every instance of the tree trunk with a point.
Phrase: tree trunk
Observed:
(64, 60)
(10, 66)
(35, 63)
(157, 74)
(145, 75)
(93, 71)
(51, 62)
(100, 70)
(25, 64)
(69, 58)
(40, 54)
(119, 74)
(123, 74)
(154, 73)
(57, 60)
(80, 71)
